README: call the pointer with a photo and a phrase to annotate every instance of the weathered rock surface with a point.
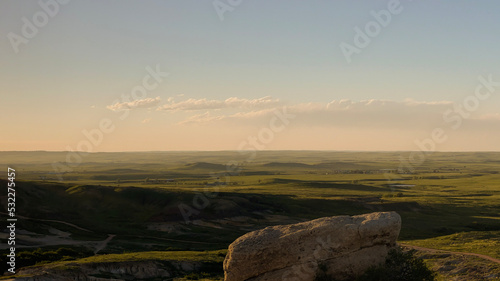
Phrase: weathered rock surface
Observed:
(342, 247)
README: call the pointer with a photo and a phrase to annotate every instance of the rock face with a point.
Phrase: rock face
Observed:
(342, 247)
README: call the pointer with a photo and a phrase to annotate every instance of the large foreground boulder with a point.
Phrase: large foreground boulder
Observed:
(342, 247)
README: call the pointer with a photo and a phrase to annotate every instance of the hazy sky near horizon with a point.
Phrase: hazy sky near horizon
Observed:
(264, 74)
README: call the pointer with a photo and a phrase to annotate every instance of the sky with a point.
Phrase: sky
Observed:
(121, 75)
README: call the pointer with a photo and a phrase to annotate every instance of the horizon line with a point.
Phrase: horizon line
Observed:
(262, 150)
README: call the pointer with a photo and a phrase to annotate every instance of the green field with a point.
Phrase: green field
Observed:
(202, 201)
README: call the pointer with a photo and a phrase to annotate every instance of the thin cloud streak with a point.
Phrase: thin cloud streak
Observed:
(142, 103)
(232, 102)
(341, 113)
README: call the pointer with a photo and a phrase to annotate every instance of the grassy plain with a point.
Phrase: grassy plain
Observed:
(447, 201)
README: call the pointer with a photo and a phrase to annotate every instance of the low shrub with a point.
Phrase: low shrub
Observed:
(399, 266)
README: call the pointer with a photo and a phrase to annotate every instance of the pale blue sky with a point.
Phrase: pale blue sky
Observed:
(91, 52)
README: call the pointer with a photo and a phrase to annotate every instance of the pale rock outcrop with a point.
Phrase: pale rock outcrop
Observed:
(342, 247)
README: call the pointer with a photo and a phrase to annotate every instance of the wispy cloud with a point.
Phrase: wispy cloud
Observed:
(205, 104)
(143, 103)
(491, 116)
(340, 113)
(208, 117)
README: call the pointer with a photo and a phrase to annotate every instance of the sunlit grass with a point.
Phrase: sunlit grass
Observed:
(479, 242)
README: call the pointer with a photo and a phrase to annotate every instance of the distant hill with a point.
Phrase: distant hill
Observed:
(204, 166)
(288, 165)
(319, 166)
(342, 166)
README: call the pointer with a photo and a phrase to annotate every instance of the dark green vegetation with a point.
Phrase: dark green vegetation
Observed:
(150, 266)
(399, 266)
(197, 201)
(39, 256)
